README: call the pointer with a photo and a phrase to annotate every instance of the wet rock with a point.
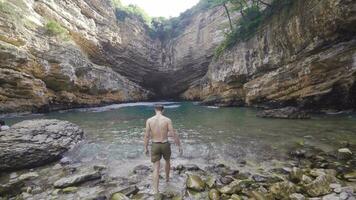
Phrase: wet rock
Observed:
(296, 196)
(214, 194)
(142, 170)
(33, 143)
(296, 175)
(236, 197)
(28, 176)
(65, 161)
(187, 167)
(70, 190)
(141, 196)
(331, 196)
(235, 186)
(192, 194)
(258, 195)
(210, 181)
(226, 180)
(344, 154)
(351, 176)
(128, 191)
(194, 182)
(283, 190)
(320, 186)
(77, 179)
(284, 113)
(99, 167)
(119, 196)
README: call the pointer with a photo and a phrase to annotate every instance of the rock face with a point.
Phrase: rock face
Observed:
(63, 54)
(304, 55)
(284, 113)
(95, 58)
(33, 143)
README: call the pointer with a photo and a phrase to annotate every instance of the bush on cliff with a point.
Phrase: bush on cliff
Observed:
(53, 28)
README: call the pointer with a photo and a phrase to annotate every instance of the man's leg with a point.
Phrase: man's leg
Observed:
(156, 166)
(167, 169)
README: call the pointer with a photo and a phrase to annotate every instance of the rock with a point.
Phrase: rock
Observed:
(284, 113)
(320, 186)
(77, 179)
(27, 176)
(235, 186)
(350, 176)
(142, 170)
(296, 196)
(226, 180)
(210, 181)
(306, 180)
(258, 195)
(344, 154)
(70, 190)
(283, 190)
(187, 167)
(236, 197)
(194, 182)
(33, 143)
(331, 196)
(65, 161)
(128, 191)
(296, 175)
(119, 196)
(214, 194)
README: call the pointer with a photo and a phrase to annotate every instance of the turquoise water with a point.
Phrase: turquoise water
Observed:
(114, 134)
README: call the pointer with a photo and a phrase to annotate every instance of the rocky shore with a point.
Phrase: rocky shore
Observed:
(307, 173)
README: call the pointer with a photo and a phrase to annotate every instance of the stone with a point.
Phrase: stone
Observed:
(210, 181)
(296, 196)
(235, 186)
(236, 197)
(226, 180)
(70, 190)
(128, 191)
(258, 195)
(142, 170)
(28, 143)
(351, 176)
(296, 175)
(320, 186)
(331, 196)
(284, 113)
(344, 154)
(283, 190)
(194, 182)
(77, 179)
(119, 196)
(214, 194)
(28, 176)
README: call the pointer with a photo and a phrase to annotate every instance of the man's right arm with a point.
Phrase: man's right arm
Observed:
(175, 136)
(147, 136)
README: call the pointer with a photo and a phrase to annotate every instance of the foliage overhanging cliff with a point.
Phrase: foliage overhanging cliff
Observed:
(63, 54)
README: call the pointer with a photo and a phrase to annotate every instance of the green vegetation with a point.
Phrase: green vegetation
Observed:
(253, 14)
(122, 12)
(53, 28)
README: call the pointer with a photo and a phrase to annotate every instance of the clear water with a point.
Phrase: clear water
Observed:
(114, 134)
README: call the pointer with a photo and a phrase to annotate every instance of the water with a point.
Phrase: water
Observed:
(114, 134)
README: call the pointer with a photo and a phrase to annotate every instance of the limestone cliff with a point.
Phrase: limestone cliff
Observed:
(303, 56)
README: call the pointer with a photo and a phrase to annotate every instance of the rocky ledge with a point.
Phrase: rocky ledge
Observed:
(284, 113)
(33, 143)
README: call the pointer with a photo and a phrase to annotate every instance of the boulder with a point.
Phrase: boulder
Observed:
(33, 143)
(236, 197)
(351, 176)
(283, 190)
(235, 186)
(296, 196)
(194, 182)
(214, 194)
(320, 186)
(284, 113)
(119, 196)
(344, 154)
(77, 179)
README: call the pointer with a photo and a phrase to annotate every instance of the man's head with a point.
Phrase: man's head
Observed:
(159, 107)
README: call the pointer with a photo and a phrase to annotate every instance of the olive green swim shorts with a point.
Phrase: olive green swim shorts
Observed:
(159, 149)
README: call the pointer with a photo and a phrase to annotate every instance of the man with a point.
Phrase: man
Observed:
(159, 128)
(3, 127)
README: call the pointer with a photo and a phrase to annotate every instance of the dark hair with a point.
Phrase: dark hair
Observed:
(2, 123)
(159, 107)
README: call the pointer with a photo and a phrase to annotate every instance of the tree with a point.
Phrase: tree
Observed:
(223, 3)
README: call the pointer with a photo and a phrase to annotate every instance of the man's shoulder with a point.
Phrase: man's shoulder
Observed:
(167, 119)
(150, 119)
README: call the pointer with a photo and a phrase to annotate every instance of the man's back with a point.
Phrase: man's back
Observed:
(159, 128)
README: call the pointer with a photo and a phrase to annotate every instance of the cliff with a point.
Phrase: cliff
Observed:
(74, 53)
(302, 56)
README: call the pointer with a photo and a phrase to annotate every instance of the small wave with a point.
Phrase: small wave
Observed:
(172, 106)
(122, 105)
(213, 107)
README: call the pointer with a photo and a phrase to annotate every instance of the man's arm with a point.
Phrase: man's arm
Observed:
(173, 133)
(147, 136)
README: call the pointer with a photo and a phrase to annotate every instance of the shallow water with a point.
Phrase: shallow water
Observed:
(114, 134)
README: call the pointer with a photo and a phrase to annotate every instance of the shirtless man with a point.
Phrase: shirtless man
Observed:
(159, 128)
